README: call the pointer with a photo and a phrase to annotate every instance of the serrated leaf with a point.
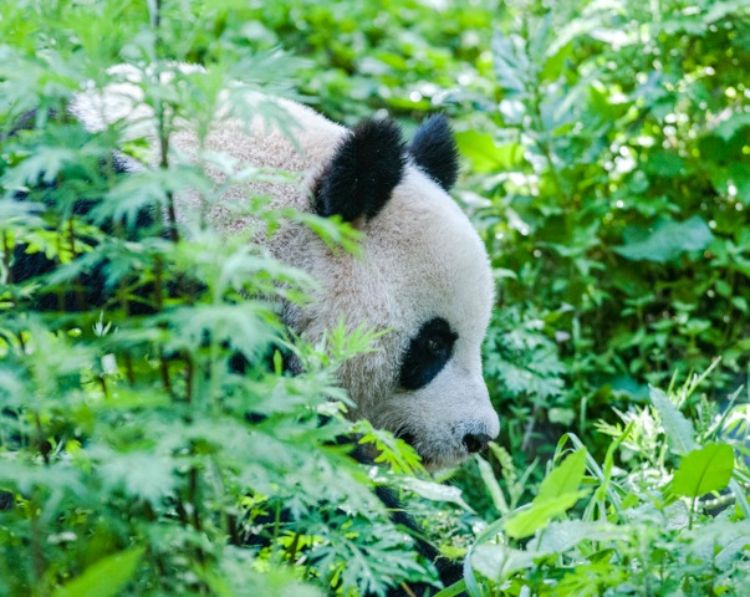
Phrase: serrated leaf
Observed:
(106, 578)
(704, 470)
(511, 66)
(142, 475)
(678, 429)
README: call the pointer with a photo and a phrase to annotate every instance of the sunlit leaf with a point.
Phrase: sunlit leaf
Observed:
(437, 492)
(106, 578)
(704, 470)
(557, 493)
(487, 156)
(498, 561)
(679, 430)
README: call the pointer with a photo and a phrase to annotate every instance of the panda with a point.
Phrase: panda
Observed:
(423, 275)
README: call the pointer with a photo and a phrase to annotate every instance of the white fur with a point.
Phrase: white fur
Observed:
(421, 259)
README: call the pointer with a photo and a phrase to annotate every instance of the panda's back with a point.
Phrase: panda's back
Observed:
(288, 148)
(276, 146)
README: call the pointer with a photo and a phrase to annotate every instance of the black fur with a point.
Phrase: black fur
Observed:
(23, 122)
(450, 572)
(367, 166)
(89, 289)
(434, 151)
(427, 354)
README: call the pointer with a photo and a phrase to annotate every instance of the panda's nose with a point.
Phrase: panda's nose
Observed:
(476, 442)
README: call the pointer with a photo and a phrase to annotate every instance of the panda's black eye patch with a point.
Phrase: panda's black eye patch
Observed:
(427, 354)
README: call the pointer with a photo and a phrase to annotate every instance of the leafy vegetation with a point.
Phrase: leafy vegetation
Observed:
(607, 166)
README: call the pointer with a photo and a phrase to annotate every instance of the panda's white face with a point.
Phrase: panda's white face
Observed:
(424, 276)
(442, 284)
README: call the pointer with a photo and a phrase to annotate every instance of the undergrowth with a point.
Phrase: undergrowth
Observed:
(606, 165)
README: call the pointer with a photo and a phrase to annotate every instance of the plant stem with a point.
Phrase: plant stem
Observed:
(691, 514)
(7, 257)
(161, 123)
(37, 554)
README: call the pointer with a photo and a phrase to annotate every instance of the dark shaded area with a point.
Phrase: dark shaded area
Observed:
(89, 288)
(449, 571)
(6, 500)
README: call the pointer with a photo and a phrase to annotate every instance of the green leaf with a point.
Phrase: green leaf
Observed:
(668, 241)
(493, 487)
(561, 536)
(437, 492)
(510, 63)
(497, 561)
(732, 125)
(565, 478)
(557, 493)
(739, 175)
(143, 475)
(678, 429)
(107, 577)
(704, 470)
(528, 522)
(485, 155)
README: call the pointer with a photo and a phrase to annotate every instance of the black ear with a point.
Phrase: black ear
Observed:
(434, 150)
(367, 166)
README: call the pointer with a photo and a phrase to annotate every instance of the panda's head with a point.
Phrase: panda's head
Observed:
(423, 276)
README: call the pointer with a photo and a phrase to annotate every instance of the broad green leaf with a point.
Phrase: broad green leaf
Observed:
(528, 522)
(561, 536)
(565, 478)
(704, 470)
(721, 541)
(678, 429)
(732, 125)
(668, 241)
(485, 155)
(107, 577)
(557, 493)
(739, 176)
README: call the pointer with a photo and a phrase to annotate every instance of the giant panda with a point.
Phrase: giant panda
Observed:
(423, 274)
